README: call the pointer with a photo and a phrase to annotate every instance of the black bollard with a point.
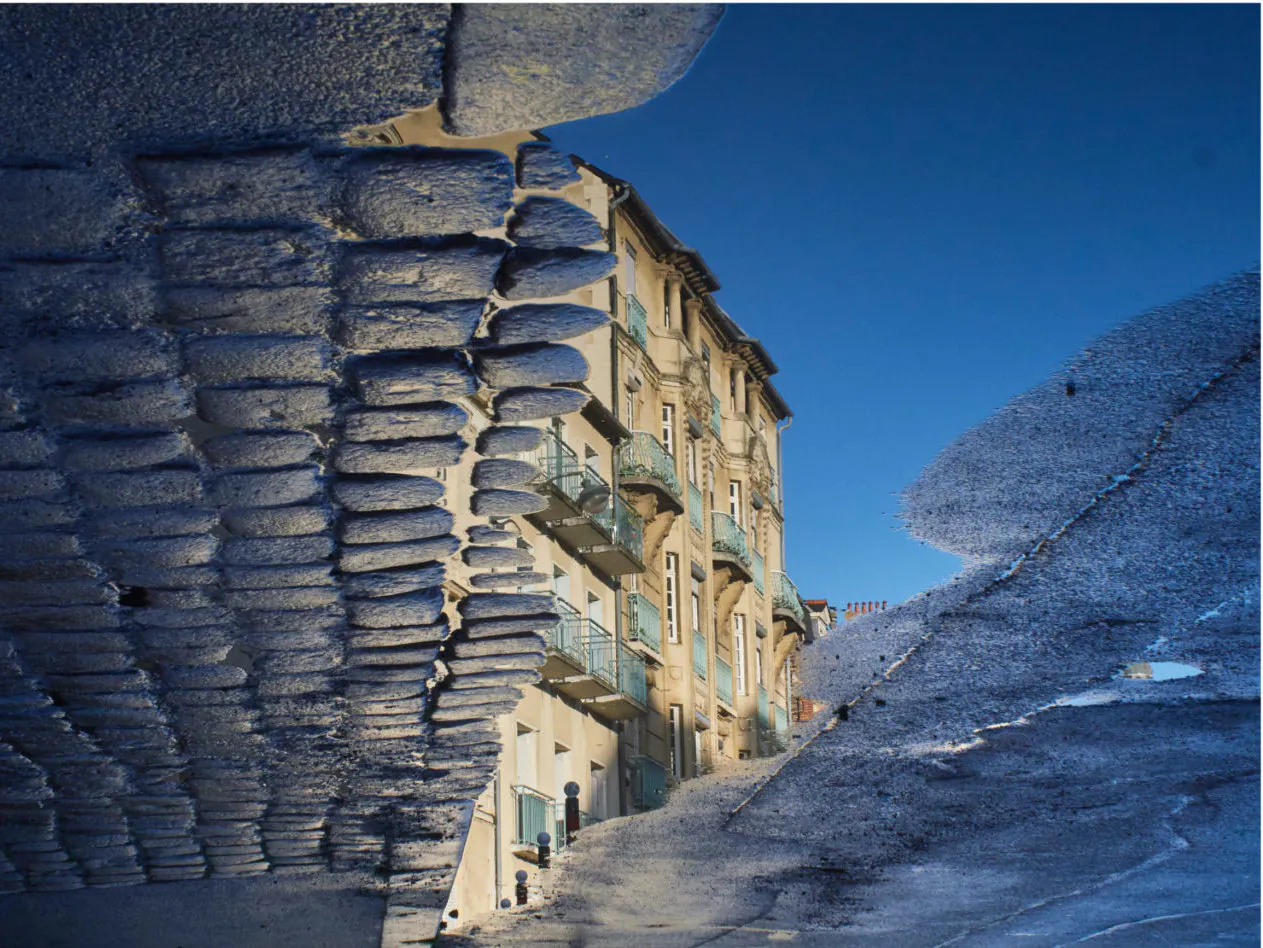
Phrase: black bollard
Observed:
(572, 811)
(520, 889)
(543, 839)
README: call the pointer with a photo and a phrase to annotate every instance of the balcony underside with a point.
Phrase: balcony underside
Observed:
(790, 621)
(738, 570)
(615, 707)
(584, 686)
(612, 559)
(667, 499)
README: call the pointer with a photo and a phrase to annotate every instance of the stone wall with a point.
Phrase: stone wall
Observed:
(231, 358)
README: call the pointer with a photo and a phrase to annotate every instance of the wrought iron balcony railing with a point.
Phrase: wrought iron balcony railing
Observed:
(585, 642)
(785, 596)
(700, 659)
(716, 417)
(567, 635)
(644, 621)
(759, 569)
(644, 456)
(624, 526)
(632, 680)
(723, 681)
(637, 321)
(727, 537)
(533, 814)
(695, 507)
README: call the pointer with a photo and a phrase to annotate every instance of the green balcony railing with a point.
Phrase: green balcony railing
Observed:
(624, 526)
(716, 418)
(649, 783)
(600, 652)
(632, 680)
(637, 321)
(560, 465)
(567, 635)
(765, 720)
(699, 655)
(785, 596)
(727, 537)
(695, 507)
(533, 814)
(585, 642)
(644, 621)
(782, 722)
(644, 456)
(723, 681)
(759, 569)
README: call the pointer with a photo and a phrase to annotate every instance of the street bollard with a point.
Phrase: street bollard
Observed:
(520, 889)
(572, 811)
(543, 839)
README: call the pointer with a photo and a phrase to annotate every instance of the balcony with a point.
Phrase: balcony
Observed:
(583, 660)
(649, 783)
(583, 513)
(696, 512)
(723, 682)
(728, 546)
(532, 815)
(759, 568)
(619, 548)
(716, 417)
(787, 605)
(637, 321)
(699, 655)
(644, 622)
(645, 465)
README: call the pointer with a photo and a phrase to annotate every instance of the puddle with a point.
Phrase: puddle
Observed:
(1159, 671)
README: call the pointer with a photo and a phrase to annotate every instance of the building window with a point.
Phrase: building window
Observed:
(666, 304)
(561, 769)
(526, 747)
(758, 666)
(629, 269)
(675, 722)
(668, 429)
(706, 353)
(690, 460)
(697, 604)
(732, 388)
(672, 572)
(631, 409)
(734, 501)
(739, 651)
(561, 584)
(754, 529)
(710, 483)
(597, 784)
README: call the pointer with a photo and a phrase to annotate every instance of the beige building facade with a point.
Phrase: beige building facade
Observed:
(662, 539)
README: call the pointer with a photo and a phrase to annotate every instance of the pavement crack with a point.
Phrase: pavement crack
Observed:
(1123, 926)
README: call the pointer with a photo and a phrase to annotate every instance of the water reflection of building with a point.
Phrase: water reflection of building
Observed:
(661, 533)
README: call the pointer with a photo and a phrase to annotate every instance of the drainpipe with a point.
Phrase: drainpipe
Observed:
(495, 784)
(780, 469)
(623, 193)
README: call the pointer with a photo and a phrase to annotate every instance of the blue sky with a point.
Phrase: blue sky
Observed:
(923, 210)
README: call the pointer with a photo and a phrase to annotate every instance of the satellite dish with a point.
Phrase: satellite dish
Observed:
(594, 497)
